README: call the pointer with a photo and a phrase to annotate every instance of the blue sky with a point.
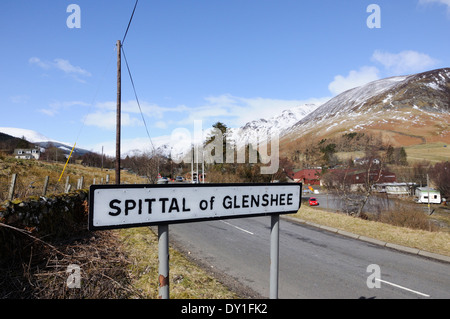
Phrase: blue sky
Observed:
(211, 60)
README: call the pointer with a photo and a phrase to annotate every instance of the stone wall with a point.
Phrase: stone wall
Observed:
(49, 218)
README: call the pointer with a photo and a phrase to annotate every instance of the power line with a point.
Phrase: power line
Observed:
(131, 77)
(137, 100)
(129, 22)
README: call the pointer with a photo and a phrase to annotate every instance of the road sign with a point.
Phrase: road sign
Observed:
(123, 206)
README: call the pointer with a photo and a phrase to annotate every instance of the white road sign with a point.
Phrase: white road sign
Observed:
(122, 206)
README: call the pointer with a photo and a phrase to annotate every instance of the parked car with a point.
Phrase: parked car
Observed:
(313, 201)
(179, 179)
(163, 180)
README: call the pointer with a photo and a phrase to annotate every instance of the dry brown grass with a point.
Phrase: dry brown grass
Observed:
(114, 264)
(436, 242)
(187, 281)
(43, 275)
(31, 175)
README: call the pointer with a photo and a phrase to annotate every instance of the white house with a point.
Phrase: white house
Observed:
(27, 153)
(427, 195)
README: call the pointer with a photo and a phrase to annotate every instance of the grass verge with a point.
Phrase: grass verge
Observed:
(187, 280)
(436, 242)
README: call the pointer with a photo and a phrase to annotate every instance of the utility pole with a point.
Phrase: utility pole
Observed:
(428, 186)
(119, 93)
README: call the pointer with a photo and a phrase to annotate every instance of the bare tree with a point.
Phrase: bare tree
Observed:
(440, 175)
(355, 185)
(145, 164)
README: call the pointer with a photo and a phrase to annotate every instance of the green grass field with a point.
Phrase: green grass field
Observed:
(435, 152)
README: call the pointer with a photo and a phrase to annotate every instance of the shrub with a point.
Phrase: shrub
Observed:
(410, 217)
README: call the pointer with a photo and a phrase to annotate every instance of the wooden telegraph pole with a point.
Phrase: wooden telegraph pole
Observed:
(119, 89)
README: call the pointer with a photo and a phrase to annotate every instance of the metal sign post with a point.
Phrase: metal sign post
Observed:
(125, 206)
(163, 256)
(274, 255)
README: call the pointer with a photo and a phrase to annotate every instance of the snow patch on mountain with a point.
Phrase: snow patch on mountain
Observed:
(29, 135)
(260, 130)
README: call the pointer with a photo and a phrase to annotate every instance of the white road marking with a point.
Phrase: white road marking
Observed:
(407, 289)
(241, 229)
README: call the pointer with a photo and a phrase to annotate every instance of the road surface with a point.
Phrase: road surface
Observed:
(313, 263)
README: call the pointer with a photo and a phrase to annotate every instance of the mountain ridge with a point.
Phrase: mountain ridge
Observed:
(407, 110)
(416, 105)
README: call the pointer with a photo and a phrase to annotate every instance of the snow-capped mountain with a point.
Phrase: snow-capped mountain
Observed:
(263, 128)
(29, 135)
(406, 109)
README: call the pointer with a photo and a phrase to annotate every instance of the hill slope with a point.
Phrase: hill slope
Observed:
(409, 110)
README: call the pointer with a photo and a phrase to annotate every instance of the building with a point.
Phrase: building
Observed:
(356, 178)
(395, 188)
(427, 195)
(27, 153)
(306, 176)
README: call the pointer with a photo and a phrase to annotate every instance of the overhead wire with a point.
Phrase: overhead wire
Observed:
(137, 99)
(129, 22)
(131, 76)
(134, 89)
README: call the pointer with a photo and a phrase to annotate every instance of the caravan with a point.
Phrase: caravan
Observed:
(425, 195)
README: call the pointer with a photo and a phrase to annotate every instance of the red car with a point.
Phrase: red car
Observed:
(313, 202)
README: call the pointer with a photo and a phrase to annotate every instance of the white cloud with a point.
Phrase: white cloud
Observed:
(129, 146)
(404, 62)
(65, 66)
(237, 111)
(107, 120)
(39, 63)
(62, 65)
(19, 99)
(56, 106)
(354, 79)
(105, 114)
(444, 2)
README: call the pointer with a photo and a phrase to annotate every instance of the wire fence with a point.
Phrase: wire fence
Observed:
(16, 186)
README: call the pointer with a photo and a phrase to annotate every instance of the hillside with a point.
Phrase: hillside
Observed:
(39, 139)
(407, 110)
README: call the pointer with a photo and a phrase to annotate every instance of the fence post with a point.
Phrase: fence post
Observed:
(12, 186)
(66, 187)
(44, 191)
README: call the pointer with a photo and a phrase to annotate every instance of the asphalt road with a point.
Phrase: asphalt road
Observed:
(313, 263)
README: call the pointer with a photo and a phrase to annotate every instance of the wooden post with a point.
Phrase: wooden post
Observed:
(66, 187)
(44, 191)
(12, 187)
(119, 76)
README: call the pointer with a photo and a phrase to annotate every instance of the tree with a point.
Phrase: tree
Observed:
(218, 136)
(355, 185)
(400, 157)
(440, 176)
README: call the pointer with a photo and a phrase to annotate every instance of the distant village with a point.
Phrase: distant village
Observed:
(386, 181)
